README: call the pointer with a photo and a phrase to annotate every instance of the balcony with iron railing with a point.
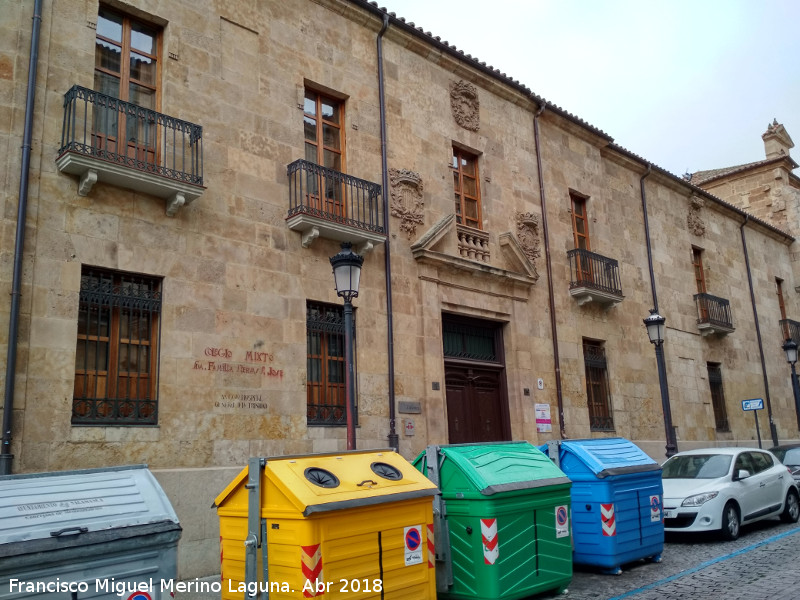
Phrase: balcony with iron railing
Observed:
(713, 315)
(594, 278)
(790, 330)
(329, 204)
(106, 139)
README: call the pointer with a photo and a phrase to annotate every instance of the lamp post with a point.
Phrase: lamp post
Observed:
(790, 348)
(655, 331)
(347, 274)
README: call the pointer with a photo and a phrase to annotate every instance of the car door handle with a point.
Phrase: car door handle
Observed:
(762, 484)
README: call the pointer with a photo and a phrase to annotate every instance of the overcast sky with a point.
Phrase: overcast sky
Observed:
(687, 84)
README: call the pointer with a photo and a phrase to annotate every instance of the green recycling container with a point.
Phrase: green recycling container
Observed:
(502, 521)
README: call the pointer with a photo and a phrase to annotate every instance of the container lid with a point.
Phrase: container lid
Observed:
(325, 482)
(63, 504)
(499, 467)
(610, 456)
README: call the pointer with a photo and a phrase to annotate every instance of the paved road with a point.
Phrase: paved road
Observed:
(764, 563)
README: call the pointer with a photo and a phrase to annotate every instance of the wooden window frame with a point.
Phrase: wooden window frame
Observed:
(782, 307)
(578, 201)
(700, 280)
(462, 198)
(578, 209)
(699, 270)
(141, 149)
(326, 400)
(721, 422)
(598, 392)
(103, 395)
(318, 118)
(333, 202)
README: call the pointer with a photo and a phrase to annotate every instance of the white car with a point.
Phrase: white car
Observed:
(722, 488)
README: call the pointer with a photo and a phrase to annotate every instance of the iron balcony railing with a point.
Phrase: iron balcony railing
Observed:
(713, 310)
(595, 271)
(110, 129)
(333, 196)
(790, 329)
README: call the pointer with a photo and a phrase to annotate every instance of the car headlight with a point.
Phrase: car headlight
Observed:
(699, 499)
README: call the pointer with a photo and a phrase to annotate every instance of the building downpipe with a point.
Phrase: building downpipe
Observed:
(22, 208)
(647, 237)
(669, 430)
(393, 438)
(551, 296)
(772, 429)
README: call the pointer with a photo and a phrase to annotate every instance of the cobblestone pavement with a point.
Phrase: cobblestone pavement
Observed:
(764, 563)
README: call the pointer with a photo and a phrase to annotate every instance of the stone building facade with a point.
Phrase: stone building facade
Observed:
(767, 188)
(176, 305)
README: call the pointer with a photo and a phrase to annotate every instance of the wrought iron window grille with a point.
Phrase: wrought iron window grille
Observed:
(469, 341)
(597, 388)
(718, 398)
(326, 402)
(117, 350)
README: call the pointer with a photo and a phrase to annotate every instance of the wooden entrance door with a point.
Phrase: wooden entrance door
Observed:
(475, 405)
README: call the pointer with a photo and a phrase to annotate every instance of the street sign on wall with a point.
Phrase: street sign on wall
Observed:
(753, 404)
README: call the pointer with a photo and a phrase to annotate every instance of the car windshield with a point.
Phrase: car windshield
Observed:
(697, 466)
(788, 456)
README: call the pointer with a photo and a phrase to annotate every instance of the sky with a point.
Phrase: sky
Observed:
(688, 85)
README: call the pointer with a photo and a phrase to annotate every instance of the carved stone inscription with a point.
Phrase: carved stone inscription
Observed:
(465, 105)
(243, 372)
(407, 202)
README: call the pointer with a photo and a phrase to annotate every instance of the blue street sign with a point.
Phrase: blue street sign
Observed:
(753, 404)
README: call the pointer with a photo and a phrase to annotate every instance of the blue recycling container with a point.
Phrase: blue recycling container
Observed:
(617, 496)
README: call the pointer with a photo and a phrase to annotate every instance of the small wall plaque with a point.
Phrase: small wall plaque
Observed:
(408, 407)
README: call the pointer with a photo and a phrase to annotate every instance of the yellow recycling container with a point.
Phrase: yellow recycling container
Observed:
(355, 525)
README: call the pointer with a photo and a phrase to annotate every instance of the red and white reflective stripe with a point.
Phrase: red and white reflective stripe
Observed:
(609, 520)
(491, 550)
(311, 564)
(431, 548)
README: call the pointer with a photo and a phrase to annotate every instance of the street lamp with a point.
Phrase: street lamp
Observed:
(655, 331)
(790, 348)
(347, 274)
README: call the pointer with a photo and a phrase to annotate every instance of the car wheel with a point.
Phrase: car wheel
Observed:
(730, 522)
(791, 509)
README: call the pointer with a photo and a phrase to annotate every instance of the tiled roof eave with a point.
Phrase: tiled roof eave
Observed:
(735, 170)
(701, 192)
(489, 70)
